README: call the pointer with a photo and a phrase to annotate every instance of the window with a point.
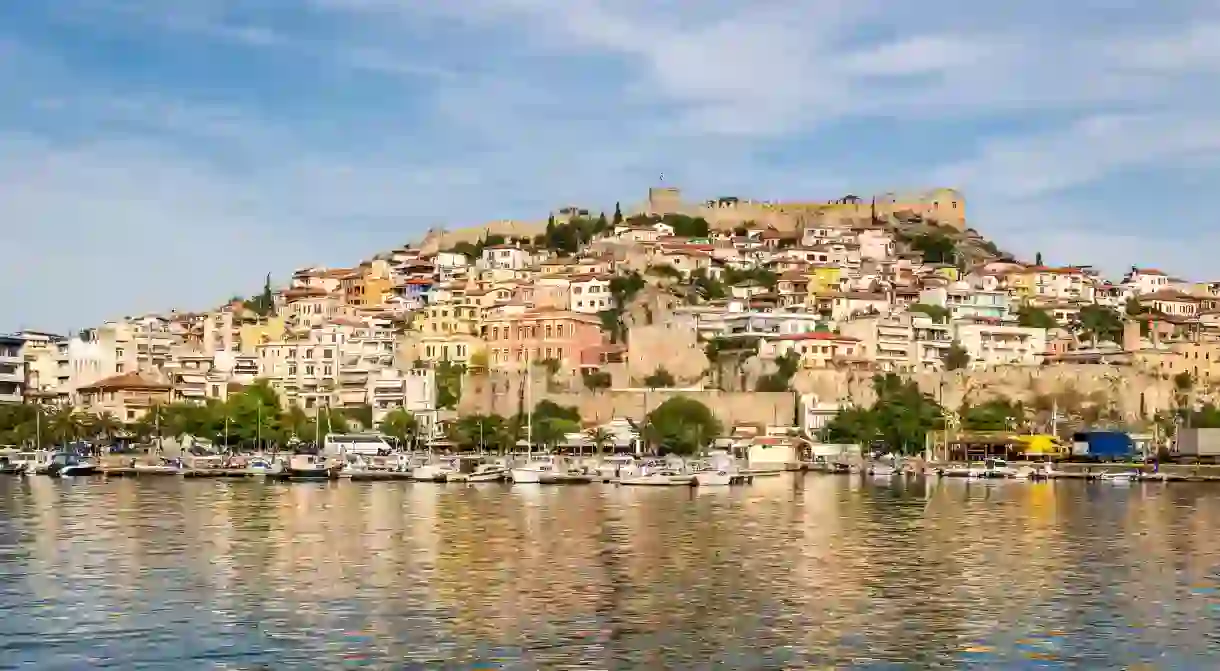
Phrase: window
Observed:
(309, 370)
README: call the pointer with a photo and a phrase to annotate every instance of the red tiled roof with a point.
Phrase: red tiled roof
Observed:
(125, 381)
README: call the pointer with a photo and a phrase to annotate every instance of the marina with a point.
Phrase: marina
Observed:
(794, 571)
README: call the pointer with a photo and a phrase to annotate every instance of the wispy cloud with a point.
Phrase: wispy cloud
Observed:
(162, 154)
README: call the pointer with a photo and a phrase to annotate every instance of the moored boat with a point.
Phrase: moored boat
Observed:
(311, 467)
(487, 473)
(535, 470)
(67, 465)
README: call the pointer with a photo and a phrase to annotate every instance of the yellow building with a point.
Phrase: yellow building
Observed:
(825, 278)
(251, 335)
(368, 285)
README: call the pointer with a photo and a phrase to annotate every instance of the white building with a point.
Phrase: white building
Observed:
(995, 344)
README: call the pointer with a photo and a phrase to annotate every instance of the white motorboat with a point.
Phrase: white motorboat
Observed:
(1119, 478)
(262, 466)
(311, 467)
(535, 470)
(426, 469)
(487, 473)
(29, 462)
(882, 471)
(658, 473)
(616, 466)
(664, 477)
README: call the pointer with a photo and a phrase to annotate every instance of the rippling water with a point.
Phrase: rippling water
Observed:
(795, 572)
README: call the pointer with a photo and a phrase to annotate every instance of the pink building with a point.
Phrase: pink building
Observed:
(515, 335)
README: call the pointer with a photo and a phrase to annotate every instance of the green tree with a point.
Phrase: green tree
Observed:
(935, 248)
(449, 384)
(1038, 259)
(1032, 317)
(399, 424)
(681, 425)
(595, 379)
(600, 439)
(992, 415)
(939, 314)
(956, 357)
(618, 215)
(1099, 323)
(103, 427)
(707, 287)
(660, 379)
(780, 380)
(854, 425)
(264, 304)
(902, 415)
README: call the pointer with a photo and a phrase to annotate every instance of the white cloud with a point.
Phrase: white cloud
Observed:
(1083, 153)
(504, 108)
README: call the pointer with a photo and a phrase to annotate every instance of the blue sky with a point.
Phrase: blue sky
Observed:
(168, 154)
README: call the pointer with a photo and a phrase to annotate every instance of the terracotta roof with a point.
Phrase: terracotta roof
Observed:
(1169, 295)
(124, 381)
(305, 292)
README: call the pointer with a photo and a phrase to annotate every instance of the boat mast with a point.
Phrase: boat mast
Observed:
(529, 400)
(38, 427)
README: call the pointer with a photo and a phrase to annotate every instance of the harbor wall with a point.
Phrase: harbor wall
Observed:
(502, 396)
(1125, 393)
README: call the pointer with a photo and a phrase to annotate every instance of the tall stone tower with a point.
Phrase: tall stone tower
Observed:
(664, 200)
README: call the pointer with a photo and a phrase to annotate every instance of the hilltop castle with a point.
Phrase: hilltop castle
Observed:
(945, 206)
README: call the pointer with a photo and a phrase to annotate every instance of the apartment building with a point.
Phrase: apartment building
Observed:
(307, 307)
(815, 350)
(12, 369)
(966, 302)
(991, 344)
(337, 365)
(516, 335)
(904, 342)
(39, 352)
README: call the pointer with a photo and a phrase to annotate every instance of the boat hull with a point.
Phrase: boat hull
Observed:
(655, 481)
(526, 476)
(713, 479)
(73, 471)
(312, 474)
(490, 476)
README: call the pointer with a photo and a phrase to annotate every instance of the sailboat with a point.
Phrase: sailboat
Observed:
(534, 469)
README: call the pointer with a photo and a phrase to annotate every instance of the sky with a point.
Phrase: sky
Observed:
(158, 155)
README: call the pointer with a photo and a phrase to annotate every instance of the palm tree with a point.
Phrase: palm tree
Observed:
(66, 425)
(103, 426)
(600, 438)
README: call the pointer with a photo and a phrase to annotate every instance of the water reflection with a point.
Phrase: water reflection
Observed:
(786, 573)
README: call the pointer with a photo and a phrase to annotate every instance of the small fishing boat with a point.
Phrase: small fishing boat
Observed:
(262, 466)
(10, 466)
(882, 471)
(710, 475)
(616, 466)
(68, 464)
(1119, 478)
(310, 467)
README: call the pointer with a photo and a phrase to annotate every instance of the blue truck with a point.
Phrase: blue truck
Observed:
(1103, 445)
